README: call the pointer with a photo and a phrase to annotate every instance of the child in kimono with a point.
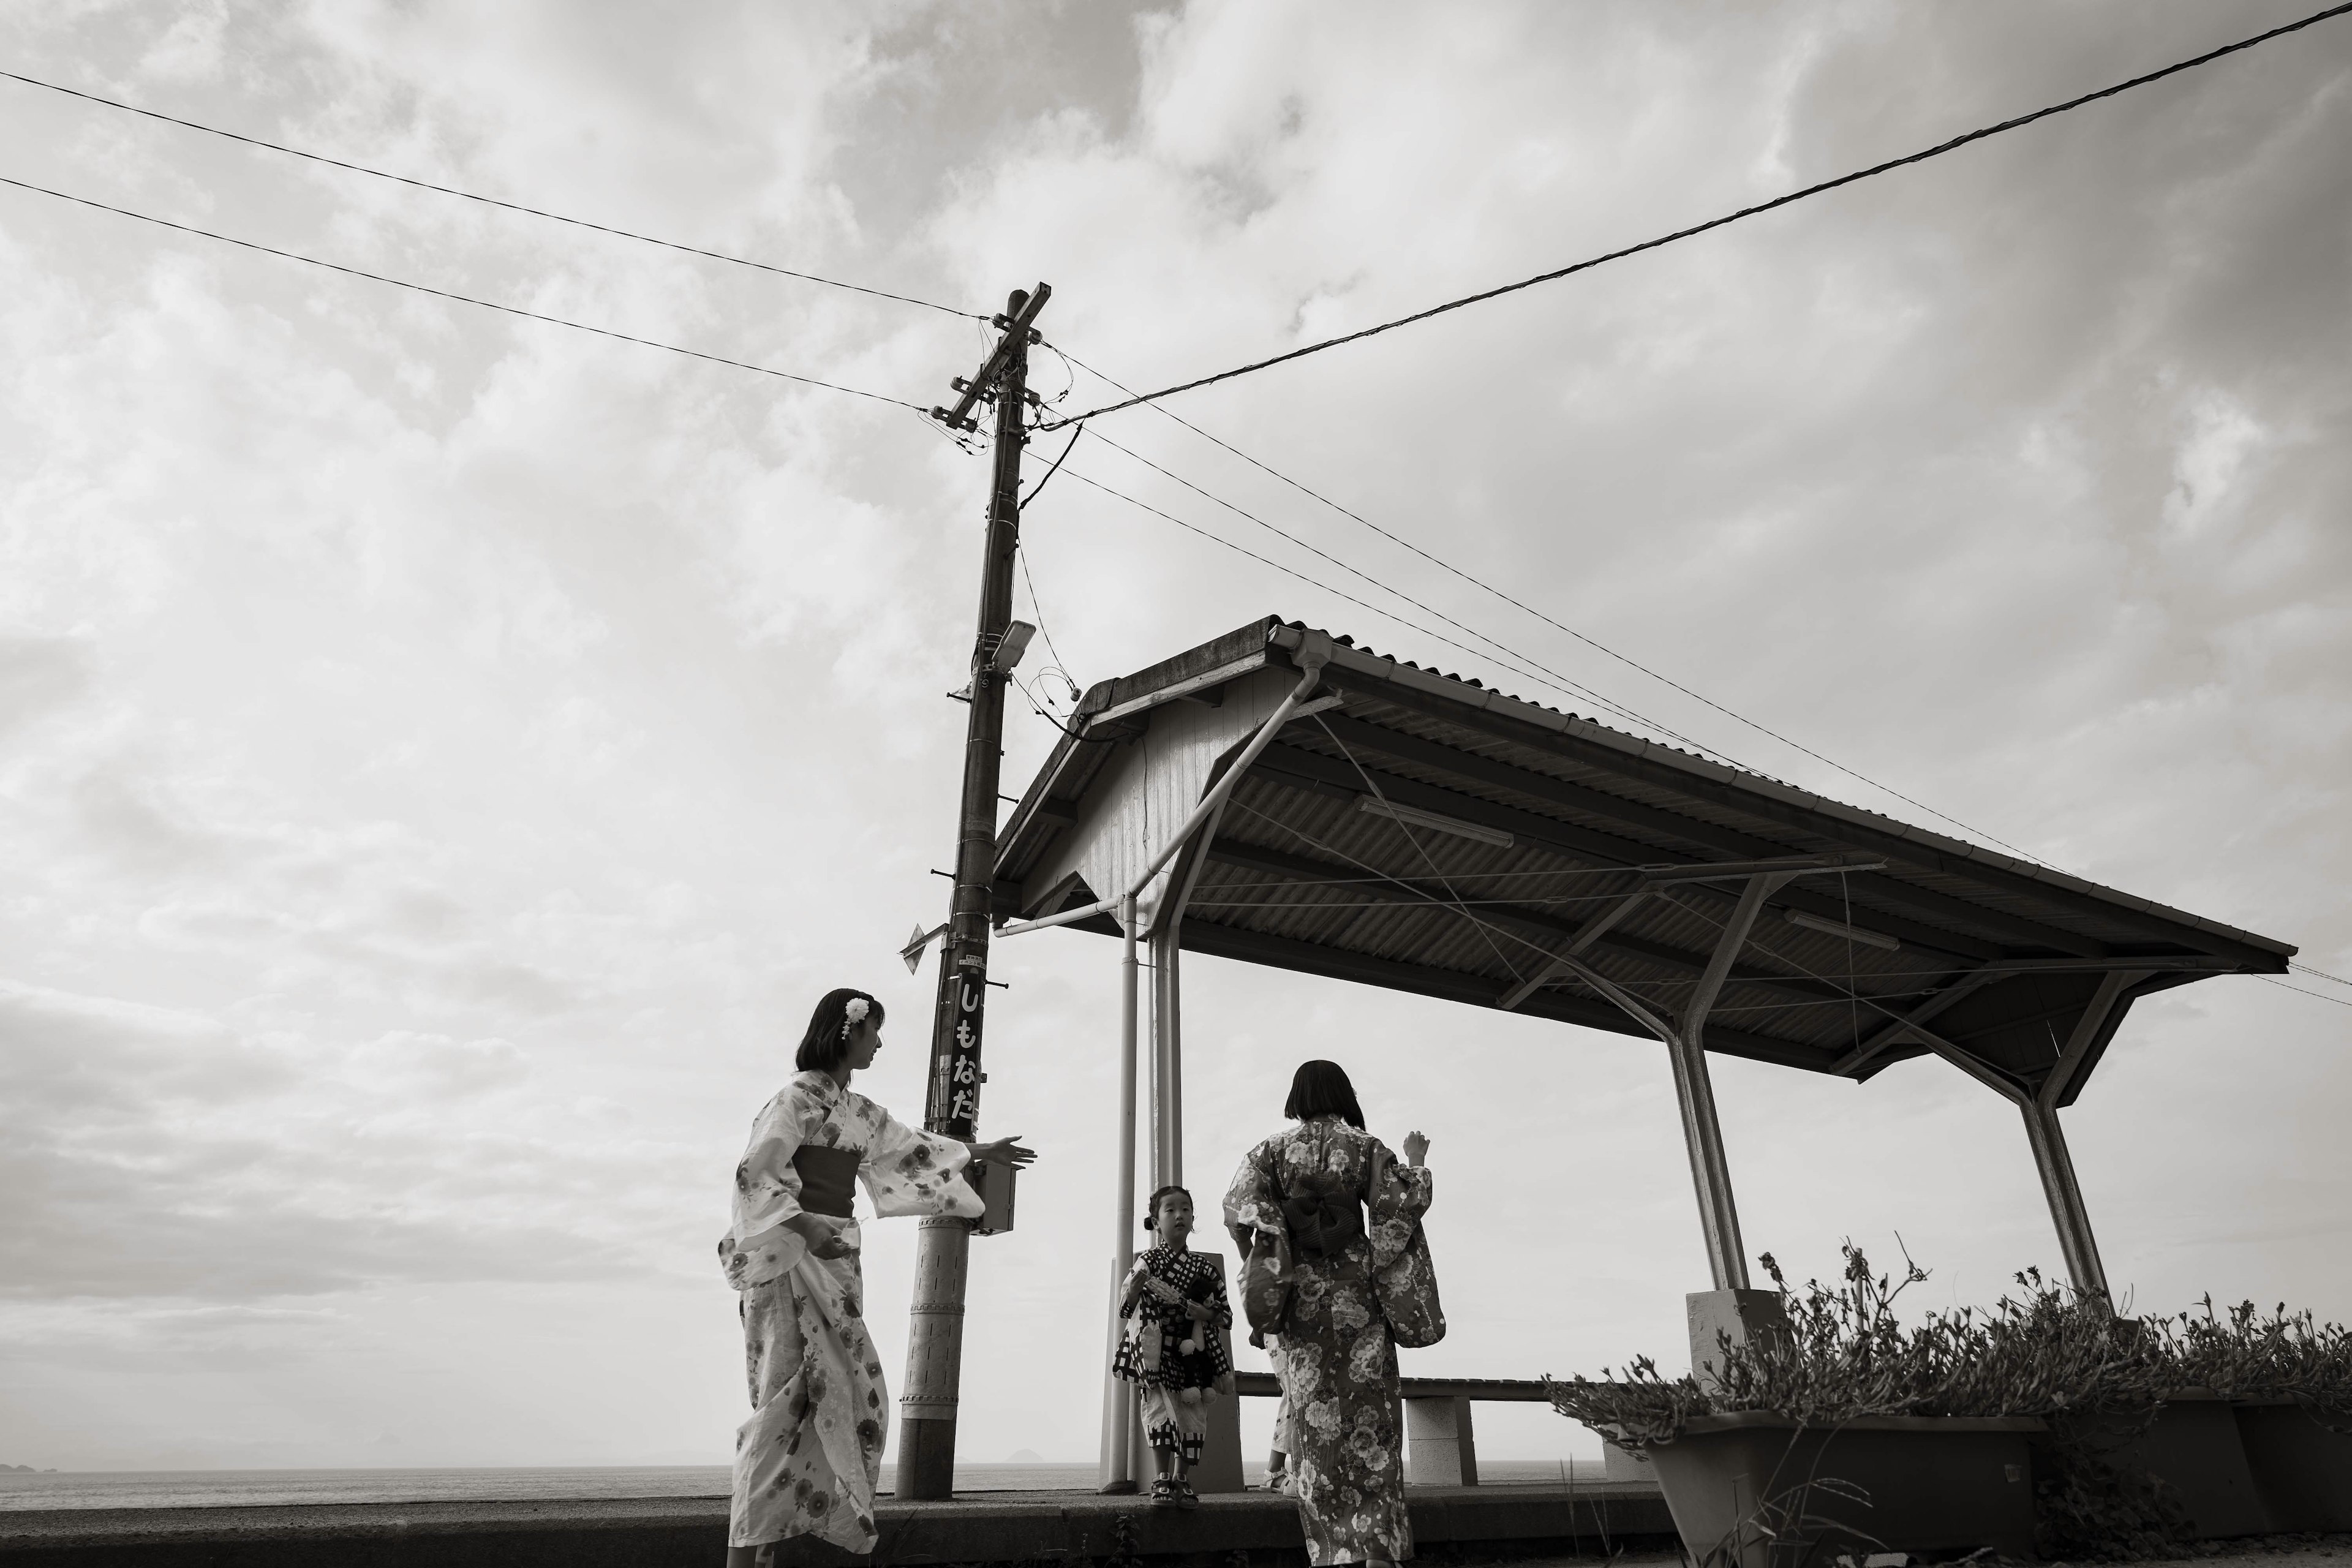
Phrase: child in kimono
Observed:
(1174, 1344)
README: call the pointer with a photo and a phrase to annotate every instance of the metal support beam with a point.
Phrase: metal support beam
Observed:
(1532, 924)
(2051, 1159)
(1895, 1032)
(2055, 1165)
(2076, 1246)
(1167, 1056)
(1594, 930)
(1694, 1093)
(2087, 1028)
(1118, 1462)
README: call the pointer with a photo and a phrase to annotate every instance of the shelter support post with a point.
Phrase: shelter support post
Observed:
(1731, 1310)
(1718, 1216)
(2051, 1160)
(1116, 1471)
(2056, 1167)
(2038, 1106)
(1167, 1055)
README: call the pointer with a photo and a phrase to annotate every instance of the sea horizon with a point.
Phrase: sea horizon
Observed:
(298, 1486)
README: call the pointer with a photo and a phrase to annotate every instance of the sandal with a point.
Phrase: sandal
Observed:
(1163, 1492)
(1185, 1495)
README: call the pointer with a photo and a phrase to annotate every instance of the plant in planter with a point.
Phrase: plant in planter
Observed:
(1854, 1430)
(2287, 1379)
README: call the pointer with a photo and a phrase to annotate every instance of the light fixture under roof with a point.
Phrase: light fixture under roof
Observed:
(1835, 928)
(1415, 817)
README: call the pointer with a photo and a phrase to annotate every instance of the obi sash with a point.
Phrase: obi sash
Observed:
(828, 1178)
(1322, 1217)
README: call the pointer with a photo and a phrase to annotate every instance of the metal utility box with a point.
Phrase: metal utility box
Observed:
(994, 1182)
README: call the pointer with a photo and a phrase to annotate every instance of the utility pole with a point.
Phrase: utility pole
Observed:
(927, 1408)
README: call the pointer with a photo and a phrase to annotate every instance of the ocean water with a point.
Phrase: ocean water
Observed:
(227, 1489)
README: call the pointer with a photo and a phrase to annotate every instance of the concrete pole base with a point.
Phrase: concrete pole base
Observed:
(926, 1459)
(1745, 1317)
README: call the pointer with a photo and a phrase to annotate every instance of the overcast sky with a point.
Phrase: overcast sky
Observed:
(443, 757)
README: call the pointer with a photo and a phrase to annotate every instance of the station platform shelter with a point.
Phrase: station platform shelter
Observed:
(1369, 820)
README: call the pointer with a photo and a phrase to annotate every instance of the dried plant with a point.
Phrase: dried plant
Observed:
(2246, 1355)
(2051, 1352)
(1846, 1355)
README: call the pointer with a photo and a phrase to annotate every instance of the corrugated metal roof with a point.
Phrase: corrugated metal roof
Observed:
(1520, 823)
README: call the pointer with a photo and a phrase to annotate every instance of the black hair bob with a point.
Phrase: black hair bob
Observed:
(1151, 1207)
(1321, 1088)
(828, 1031)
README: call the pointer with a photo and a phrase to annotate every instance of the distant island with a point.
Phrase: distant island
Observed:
(27, 1471)
(1025, 1457)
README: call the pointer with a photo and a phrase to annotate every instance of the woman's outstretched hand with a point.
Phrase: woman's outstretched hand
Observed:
(824, 1240)
(1005, 1152)
(1416, 1149)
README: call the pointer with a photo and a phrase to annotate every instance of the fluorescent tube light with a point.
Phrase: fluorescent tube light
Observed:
(1832, 928)
(1419, 818)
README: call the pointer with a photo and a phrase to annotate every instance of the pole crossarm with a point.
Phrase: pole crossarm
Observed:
(1010, 349)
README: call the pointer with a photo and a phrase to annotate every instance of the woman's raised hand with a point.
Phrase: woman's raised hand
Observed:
(1005, 1152)
(1416, 1148)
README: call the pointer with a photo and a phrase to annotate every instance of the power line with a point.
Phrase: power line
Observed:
(1560, 680)
(2321, 973)
(1021, 551)
(2300, 992)
(1919, 157)
(1556, 624)
(486, 201)
(461, 299)
(1040, 485)
(1534, 675)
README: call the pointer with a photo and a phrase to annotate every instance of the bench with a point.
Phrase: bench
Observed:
(1440, 1449)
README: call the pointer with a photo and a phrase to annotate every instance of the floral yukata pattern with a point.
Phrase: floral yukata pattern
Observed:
(806, 1462)
(1336, 1360)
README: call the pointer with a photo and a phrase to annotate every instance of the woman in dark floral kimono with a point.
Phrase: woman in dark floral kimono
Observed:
(806, 1462)
(1306, 1191)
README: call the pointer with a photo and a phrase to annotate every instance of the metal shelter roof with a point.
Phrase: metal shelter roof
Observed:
(1428, 834)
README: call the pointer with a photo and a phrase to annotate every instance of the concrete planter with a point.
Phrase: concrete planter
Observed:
(2193, 1446)
(2302, 1471)
(1737, 1484)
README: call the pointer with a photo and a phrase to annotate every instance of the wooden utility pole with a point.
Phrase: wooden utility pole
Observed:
(927, 1406)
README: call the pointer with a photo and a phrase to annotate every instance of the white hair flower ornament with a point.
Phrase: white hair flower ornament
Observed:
(853, 1014)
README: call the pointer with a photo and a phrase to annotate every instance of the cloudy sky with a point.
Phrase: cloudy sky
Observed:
(443, 756)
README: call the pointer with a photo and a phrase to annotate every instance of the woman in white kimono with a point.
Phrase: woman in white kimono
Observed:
(806, 1462)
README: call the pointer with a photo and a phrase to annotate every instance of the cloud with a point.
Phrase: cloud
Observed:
(152, 1153)
(441, 756)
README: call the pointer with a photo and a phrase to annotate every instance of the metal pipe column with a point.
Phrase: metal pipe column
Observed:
(1116, 1466)
(1718, 1216)
(2055, 1166)
(1167, 1056)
